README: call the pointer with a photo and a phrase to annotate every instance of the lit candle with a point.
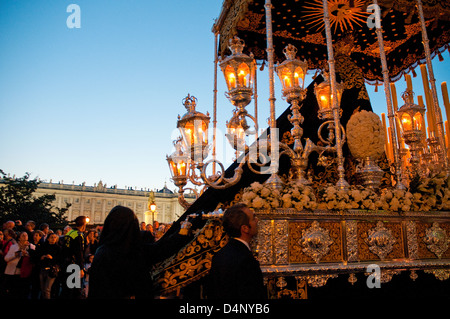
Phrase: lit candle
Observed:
(428, 99)
(429, 119)
(408, 82)
(394, 97)
(287, 82)
(296, 81)
(447, 136)
(446, 100)
(241, 78)
(391, 150)
(181, 168)
(386, 141)
(232, 81)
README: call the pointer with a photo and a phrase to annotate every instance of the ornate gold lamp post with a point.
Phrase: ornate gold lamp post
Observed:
(342, 183)
(238, 69)
(239, 72)
(193, 127)
(178, 164)
(292, 74)
(324, 96)
(410, 116)
(236, 130)
(152, 208)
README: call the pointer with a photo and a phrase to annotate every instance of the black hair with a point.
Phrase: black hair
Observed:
(80, 221)
(234, 218)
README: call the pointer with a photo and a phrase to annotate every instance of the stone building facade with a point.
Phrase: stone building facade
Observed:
(96, 201)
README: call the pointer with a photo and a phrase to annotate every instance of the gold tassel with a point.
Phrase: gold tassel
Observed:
(441, 58)
(413, 73)
(315, 74)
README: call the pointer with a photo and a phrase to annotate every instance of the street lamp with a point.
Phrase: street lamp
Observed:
(239, 70)
(193, 127)
(324, 97)
(292, 74)
(152, 208)
(410, 116)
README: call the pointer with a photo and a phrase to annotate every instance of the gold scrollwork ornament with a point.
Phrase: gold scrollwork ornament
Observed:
(316, 241)
(437, 240)
(380, 240)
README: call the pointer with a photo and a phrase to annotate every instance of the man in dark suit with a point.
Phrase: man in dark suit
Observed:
(235, 273)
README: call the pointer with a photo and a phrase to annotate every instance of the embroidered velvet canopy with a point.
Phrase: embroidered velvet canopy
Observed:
(300, 22)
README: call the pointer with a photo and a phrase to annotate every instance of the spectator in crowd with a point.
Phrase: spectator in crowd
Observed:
(73, 253)
(18, 268)
(50, 258)
(9, 237)
(235, 273)
(87, 267)
(9, 225)
(122, 263)
(66, 230)
(37, 236)
(45, 228)
(91, 243)
(35, 282)
(29, 228)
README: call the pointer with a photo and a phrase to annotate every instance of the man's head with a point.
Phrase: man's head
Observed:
(240, 221)
(80, 223)
(30, 225)
(45, 228)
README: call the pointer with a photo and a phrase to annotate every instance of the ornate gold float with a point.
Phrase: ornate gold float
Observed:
(312, 247)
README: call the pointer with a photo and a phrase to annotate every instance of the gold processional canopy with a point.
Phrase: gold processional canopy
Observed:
(300, 23)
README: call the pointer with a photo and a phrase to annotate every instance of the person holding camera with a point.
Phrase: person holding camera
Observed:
(18, 267)
(50, 258)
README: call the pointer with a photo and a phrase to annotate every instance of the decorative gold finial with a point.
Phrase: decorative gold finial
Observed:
(190, 102)
(408, 96)
(290, 52)
(236, 45)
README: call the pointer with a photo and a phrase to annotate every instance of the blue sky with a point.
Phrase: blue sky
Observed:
(101, 102)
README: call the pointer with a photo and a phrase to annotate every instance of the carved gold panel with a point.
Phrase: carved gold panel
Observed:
(315, 242)
(433, 240)
(380, 240)
(271, 242)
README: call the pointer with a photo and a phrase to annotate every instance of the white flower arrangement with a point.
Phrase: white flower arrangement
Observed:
(356, 197)
(365, 135)
(293, 195)
(430, 194)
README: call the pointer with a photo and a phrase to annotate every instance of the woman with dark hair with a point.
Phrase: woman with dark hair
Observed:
(50, 259)
(122, 263)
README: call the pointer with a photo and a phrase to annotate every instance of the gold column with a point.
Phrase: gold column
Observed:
(428, 99)
(216, 60)
(274, 180)
(342, 183)
(387, 145)
(391, 145)
(435, 105)
(423, 127)
(446, 100)
(447, 113)
(391, 115)
(447, 138)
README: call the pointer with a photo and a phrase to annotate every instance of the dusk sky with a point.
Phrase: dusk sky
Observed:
(101, 102)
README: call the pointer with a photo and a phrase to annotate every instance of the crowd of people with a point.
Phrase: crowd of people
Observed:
(33, 259)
